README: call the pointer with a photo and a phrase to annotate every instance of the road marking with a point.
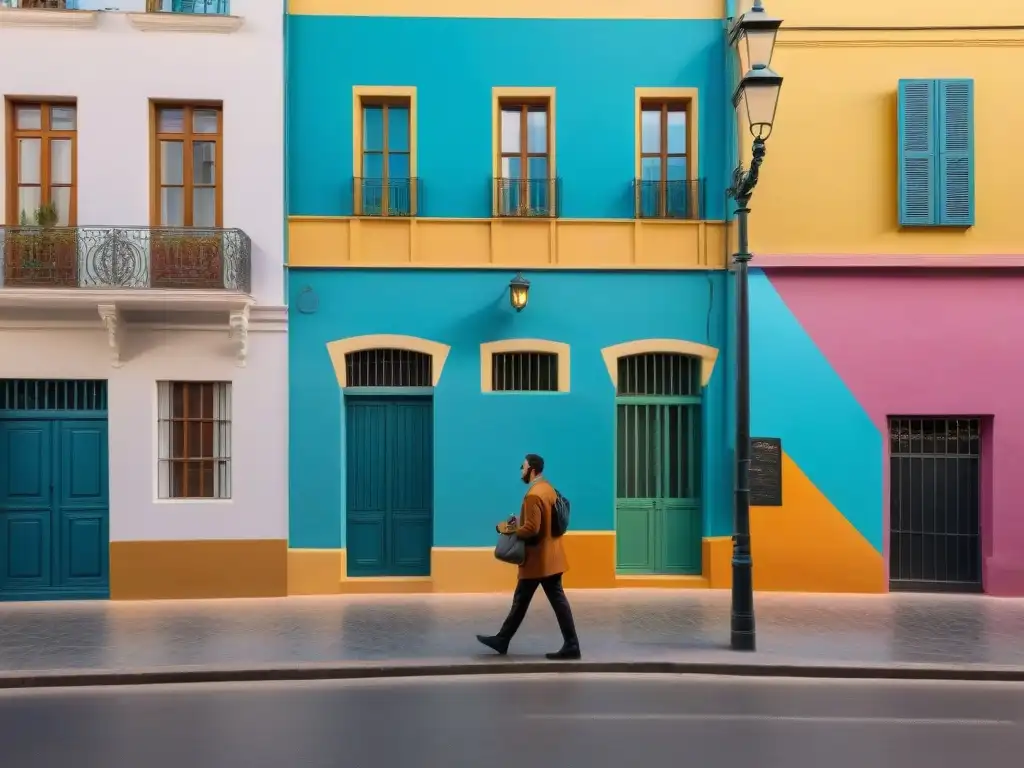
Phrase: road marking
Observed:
(968, 722)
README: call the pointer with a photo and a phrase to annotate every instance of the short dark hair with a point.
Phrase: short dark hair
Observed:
(535, 462)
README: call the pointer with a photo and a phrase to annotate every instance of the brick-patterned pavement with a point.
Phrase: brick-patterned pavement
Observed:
(614, 625)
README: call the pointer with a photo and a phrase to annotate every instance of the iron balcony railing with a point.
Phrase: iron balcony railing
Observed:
(48, 5)
(212, 7)
(527, 198)
(386, 197)
(126, 257)
(668, 199)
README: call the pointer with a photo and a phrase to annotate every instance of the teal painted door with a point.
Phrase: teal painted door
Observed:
(657, 505)
(54, 509)
(390, 486)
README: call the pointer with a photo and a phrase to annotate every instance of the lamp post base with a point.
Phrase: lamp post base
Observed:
(744, 635)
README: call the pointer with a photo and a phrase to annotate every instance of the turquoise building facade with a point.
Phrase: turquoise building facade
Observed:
(432, 161)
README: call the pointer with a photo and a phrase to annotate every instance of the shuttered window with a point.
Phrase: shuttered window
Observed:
(936, 153)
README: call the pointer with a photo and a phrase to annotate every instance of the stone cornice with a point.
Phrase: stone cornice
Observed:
(185, 22)
(49, 19)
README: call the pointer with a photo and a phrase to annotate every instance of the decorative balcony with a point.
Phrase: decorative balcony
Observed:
(527, 198)
(668, 199)
(126, 258)
(386, 197)
(41, 5)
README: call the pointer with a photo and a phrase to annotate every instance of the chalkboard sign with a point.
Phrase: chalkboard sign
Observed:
(765, 472)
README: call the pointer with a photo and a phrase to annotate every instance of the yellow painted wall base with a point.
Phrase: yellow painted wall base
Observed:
(503, 243)
(716, 559)
(178, 570)
(315, 571)
(804, 546)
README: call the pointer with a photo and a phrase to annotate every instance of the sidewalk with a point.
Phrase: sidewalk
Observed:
(44, 644)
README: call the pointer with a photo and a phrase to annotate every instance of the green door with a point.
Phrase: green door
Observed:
(657, 489)
(390, 485)
(54, 502)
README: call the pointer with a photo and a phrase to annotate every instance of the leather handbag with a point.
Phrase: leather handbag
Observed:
(510, 549)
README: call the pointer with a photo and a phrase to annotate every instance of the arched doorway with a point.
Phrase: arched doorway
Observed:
(658, 464)
(389, 461)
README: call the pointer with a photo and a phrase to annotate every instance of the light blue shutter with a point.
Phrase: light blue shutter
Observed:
(956, 153)
(917, 173)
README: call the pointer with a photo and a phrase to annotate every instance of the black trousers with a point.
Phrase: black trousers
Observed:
(525, 590)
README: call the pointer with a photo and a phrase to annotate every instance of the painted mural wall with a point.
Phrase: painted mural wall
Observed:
(871, 345)
(856, 319)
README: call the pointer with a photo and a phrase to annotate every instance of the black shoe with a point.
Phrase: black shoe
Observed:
(495, 643)
(566, 654)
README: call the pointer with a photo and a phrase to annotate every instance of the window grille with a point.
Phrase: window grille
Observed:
(194, 423)
(659, 374)
(389, 368)
(53, 395)
(524, 372)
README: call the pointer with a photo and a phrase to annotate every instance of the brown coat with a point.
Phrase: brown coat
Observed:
(547, 556)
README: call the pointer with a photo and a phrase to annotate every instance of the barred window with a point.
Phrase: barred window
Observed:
(661, 374)
(524, 372)
(389, 368)
(195, 439)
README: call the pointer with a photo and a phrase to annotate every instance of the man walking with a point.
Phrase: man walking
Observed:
(545, 563)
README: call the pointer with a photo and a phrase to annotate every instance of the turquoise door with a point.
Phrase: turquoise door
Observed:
(54, 509)
(390, 485)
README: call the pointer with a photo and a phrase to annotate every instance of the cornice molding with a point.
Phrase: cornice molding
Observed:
(48, 19)
(185, 22)
(899, 38)
(841, 261)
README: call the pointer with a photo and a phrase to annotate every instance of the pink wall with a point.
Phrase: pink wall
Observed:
(933, 343)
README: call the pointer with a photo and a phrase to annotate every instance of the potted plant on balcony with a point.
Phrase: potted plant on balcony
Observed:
(40, 253)
(184, 259)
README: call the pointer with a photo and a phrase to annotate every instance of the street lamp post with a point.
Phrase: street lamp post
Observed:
(755, 98)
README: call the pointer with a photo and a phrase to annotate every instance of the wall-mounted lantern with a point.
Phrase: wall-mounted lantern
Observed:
(518, 292)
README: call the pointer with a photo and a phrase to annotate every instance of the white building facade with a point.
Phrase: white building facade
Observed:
(143, 333)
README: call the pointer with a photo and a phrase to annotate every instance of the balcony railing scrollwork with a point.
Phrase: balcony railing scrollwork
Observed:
(126, 257)
(386, 197)
(211, 7)
(527, 198)
(682, 199)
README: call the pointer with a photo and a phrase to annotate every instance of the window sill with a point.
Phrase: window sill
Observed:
(185, 22)
(50, 19)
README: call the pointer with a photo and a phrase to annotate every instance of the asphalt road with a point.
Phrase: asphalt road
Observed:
(565, 721)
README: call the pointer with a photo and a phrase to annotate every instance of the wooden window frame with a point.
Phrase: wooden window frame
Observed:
(397, 95)
(525, 106)
(45, 134)
(688, 99)
(188, 137)
(174, 484)
(502, 97)
(384, 103)
(665, 107)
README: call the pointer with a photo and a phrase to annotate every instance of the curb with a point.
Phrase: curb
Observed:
(350, 671)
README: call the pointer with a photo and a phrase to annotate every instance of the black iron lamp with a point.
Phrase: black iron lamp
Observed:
(753, 35)
(755, 98)
(518, 292)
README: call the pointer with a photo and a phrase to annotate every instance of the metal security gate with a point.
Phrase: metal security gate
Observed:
(54, 501)
(657, 487)
(934, 504)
